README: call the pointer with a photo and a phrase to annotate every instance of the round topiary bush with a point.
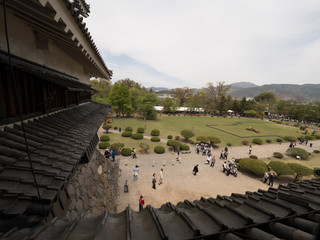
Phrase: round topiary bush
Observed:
(104, 138)
(257, 141)
(117, 147)
(229, 144)
(300, 170)
(137, 136)
(316, 151)
(214, 140)
(280, 168)
(278, 155)
(140, 130)
(115, 127)
(290, 138)
(269, 141)
(184, 147)
(245, 142)
(254, 166)
(316, 136)
(191, 141)
(253, 157)
(126, 152)
(296, 125)
(155, 132)
(309, 137)
(169, 137)
(126, 134)
(202, 139)
(104, 145)
(128, 129)
(155, 139)
(159, 149)
(177, 137)
(279, 140)
(301, 153)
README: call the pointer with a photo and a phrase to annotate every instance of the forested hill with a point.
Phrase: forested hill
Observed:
(305, 92)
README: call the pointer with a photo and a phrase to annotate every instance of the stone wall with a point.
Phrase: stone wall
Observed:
(94, 188)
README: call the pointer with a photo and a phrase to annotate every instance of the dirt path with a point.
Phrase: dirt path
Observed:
(179, 183)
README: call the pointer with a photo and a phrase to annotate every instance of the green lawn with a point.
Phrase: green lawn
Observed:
(212, 126)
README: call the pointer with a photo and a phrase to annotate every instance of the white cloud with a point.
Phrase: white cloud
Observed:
(262, 42)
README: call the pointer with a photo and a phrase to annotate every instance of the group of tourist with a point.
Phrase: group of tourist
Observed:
(270, 176)
(230, 167)
(110, 153)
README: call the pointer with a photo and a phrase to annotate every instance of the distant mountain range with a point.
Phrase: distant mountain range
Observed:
(304, 93)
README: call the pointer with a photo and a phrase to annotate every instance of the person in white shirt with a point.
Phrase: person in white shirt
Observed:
(161, 176)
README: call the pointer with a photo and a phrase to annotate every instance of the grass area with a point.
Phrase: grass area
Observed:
(131, 143)
(212, 126)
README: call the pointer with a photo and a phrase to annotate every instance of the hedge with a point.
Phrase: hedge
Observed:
(300, 170)
(104, 145)
(294, 152)
(317, 136)
(137, 136)
(128, 129)
(278, 155)
(104, 138)
(280, 168)
(309, 137)
(140, 130)
(169, 137)
(184, 147)
(155, 132)
(257, 141)
(254, 166)
(159, 149)
(126, 134)
(126, 152)
(155, 139)
(290, 138)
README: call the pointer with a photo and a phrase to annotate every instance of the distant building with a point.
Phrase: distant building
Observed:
(164, 94)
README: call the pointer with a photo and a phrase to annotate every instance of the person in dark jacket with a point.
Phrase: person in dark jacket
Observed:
(195, 170)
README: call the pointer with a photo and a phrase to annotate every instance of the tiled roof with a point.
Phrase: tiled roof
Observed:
(289, 212)
(57, 142)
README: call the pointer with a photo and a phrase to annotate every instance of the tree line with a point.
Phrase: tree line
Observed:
(128, 97)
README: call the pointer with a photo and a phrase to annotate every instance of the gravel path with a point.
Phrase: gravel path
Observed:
(179, 182)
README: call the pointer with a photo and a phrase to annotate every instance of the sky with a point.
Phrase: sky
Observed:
(178, 43)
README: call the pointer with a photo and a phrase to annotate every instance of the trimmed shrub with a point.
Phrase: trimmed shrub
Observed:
(144, 147)
(159, 149)
(137, 136)
(269, 141)
(290, 138)
(177, 137)
(106, 127)
(117, 147)
(115, 128)
(173, 143)
(294, 152)
(296, 125)
(169, 137)
(280, 168)
(104, 138)
(316, 151)
(140, 130)
(214, 140)
(104, 145)
(184, 147)
(254, 166)
(303, 128)
(317, 136)
(309, 137)
(278, 155)
(187, 134)
(155, 139)
(126, 152)
(300, 170)
(202, 139)
(128, 129)
(229, 144)
(257, 141)
(279, 140)
(155, 132)
(253, 157)
(245, 142)
(126, 134)
(191, 142)
(109, 120)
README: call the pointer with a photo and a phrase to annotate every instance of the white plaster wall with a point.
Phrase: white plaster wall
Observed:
(23, 44)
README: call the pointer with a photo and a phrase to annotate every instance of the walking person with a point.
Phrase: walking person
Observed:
(113, 155)
(154, 181)
(195, 170)
(222, 155)
(141, 203)
(134, 153)
(250, 149)
(271, 179)
(213, 161)
(135, 173)
(265, 176)
(161, 176)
